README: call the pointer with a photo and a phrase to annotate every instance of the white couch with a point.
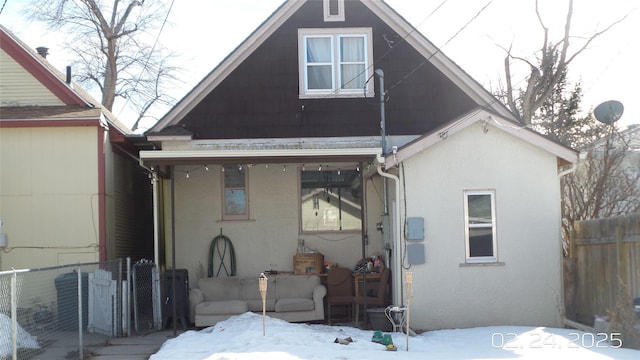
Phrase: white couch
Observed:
(289, 297)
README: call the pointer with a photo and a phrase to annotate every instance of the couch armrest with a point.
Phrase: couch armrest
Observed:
(318, 300)
(195, 297)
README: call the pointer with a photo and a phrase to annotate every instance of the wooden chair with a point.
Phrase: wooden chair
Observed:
(379, 300)
(339, 289)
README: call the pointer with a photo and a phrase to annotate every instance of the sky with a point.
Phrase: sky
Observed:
(472, 33)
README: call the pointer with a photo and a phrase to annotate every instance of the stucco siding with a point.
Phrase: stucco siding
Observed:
(19, 88)
(524, 286)
(49, 195)
(269, 239)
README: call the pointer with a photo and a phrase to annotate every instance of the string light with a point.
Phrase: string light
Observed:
(284, 168)
(206, 168)
(187, 174)
(320, 168)
(338, 171)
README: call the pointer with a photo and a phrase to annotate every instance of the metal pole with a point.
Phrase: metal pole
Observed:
(383, 125)
(14, 317)
(80, 346)
(128, 298)
(173, 251)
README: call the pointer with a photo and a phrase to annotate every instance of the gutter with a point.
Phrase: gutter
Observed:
(397, 259)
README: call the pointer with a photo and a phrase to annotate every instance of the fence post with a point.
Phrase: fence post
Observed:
(14, 316)
(80, 345)
(128, 297)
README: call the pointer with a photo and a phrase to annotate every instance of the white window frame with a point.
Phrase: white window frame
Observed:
(335, 34)
(328, 16)
(245, 188)
(468, 225)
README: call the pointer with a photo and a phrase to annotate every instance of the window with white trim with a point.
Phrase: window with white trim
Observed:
(335, 62)
(333, 10)
(235, 193)
(480, 226)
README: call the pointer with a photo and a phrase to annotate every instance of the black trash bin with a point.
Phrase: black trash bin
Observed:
(378, 320)
(67, 290)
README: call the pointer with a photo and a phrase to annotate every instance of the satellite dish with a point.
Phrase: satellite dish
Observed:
(609, 111)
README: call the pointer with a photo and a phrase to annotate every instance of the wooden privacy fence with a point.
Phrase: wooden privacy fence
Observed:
(604, 260)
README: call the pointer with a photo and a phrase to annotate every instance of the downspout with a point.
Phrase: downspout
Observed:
(103, 138)
(396, 270)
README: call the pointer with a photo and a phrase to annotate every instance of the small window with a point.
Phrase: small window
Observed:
(333, 10)
(480, 230)
(235, 194)
(330, 200)
(335, 62)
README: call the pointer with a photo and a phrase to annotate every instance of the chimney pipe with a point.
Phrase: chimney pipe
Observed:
(43, 51)
(68, 74)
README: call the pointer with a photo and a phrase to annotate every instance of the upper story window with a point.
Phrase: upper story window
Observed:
(480, 230)
(335, 62)
(235, 194)
(333, 10)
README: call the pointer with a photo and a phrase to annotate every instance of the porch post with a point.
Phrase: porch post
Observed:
(173, 250)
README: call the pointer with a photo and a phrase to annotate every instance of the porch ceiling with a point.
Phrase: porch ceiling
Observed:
(281, 156)
(256, 151)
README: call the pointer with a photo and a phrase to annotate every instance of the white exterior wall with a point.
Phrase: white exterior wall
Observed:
(49, 196)
(524, 288)
(268, 240)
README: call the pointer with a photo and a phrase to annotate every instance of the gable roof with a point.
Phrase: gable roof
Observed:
(78, 104)
(429, 51)
(565, 154)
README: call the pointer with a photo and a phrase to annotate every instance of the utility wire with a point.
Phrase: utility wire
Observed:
(391, 48)
(440, 48)
(146, 63)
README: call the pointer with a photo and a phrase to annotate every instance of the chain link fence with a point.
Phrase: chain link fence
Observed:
(62, 312)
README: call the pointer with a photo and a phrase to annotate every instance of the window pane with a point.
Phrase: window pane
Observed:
(233, 176)
(235, 202)
(328, 202)
(479, 209)
(319, 77)
(319, 50)
(352, 49)
(352, 76)
(480, 242)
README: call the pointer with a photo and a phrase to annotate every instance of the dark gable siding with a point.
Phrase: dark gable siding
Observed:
(259, 99)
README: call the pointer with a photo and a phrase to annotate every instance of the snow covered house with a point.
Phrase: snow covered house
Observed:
(288, 146)
(71, 189)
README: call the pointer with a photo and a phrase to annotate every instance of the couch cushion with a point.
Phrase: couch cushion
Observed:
(222, 307)
(256, 305)
(296, 286)
(221, 288)
(294, 304)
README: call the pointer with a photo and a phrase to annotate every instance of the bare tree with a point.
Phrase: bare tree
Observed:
(115, 46)
(547, 71)
(605, 183)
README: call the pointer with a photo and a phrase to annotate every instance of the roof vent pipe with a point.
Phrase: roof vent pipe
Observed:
(43, 51)
(68, 75)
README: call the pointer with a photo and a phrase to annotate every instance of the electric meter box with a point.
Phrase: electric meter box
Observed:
(415, 254)
(415, 229)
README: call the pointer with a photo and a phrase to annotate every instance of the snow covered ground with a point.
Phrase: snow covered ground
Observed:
(240, 337)
(24, 339)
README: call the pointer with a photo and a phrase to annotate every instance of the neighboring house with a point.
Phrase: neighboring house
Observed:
(280, 148)
(71, 189)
